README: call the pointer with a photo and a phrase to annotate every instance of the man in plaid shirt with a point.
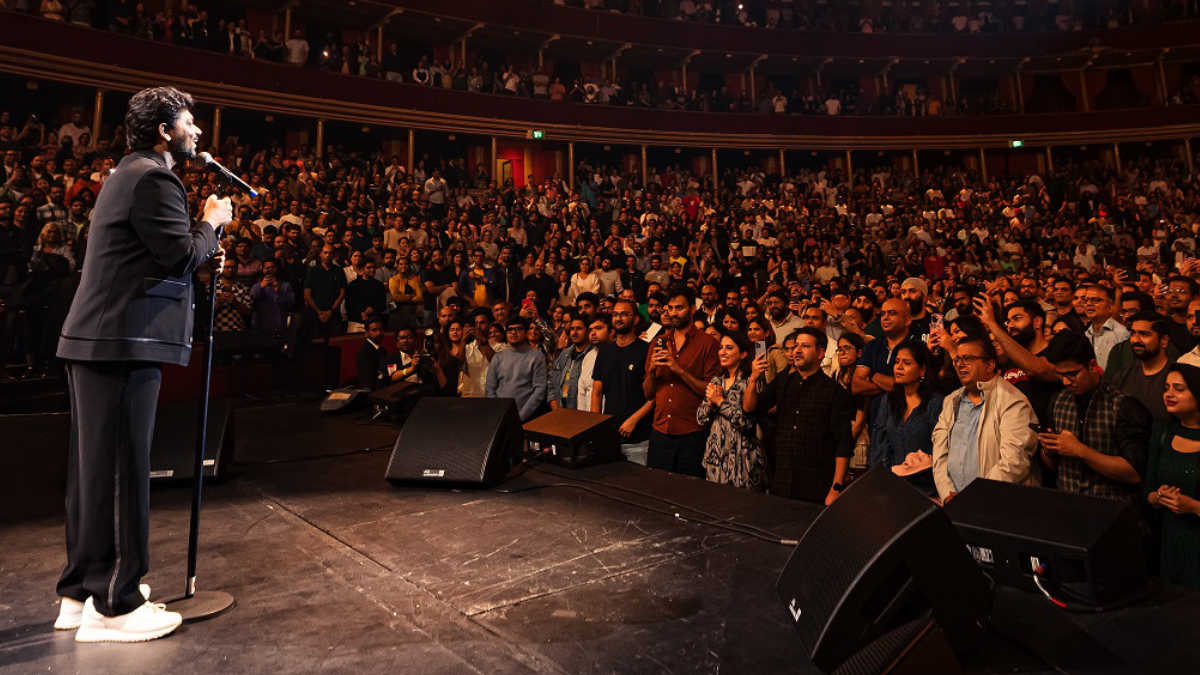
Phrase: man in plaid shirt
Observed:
(233, 304)
(54, 210)
(1098, 436)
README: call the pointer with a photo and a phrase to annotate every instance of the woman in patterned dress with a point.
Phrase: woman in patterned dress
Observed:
(732, 453)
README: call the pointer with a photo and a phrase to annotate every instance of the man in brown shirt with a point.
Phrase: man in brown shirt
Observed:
(680, 364)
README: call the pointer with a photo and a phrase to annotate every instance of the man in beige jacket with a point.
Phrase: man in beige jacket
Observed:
(984, 430)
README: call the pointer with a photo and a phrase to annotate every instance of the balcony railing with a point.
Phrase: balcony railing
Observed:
(44, 49)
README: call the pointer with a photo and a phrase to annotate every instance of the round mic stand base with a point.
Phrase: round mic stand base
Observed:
(202, 605)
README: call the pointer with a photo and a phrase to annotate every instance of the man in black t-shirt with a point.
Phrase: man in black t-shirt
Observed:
(617, 381)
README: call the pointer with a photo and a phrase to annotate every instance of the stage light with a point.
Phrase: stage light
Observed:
(1016, 144)
(537, 134)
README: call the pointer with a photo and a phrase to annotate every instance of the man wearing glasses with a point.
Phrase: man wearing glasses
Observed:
(1103, 331)
(984, 430)
(518, 373)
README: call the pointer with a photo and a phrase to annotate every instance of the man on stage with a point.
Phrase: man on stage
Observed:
(132, 313)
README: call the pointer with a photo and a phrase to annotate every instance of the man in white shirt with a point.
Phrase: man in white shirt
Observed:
(297, 49)
(74, 129)
(435, 192)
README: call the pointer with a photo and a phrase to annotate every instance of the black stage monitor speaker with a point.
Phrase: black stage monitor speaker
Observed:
(1088, 549)
(871, 572)
(573, 438)
(462, 441)
(173, 454)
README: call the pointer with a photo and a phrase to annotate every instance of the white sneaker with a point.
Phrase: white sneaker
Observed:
(70, 610)
(148, 622)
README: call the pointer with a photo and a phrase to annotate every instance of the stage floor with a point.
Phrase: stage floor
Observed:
(335, 570)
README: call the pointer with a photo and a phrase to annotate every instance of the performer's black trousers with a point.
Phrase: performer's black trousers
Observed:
(108, 482)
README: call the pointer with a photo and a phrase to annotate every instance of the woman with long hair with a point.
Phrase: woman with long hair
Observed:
(1170, 483)
(905, 435)
(849, 349)
(585, 280)
(732, 454)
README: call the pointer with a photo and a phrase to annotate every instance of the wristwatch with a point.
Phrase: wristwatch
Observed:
(838, 487)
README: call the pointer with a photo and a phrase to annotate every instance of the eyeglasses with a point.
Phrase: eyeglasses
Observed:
(846, 348)
(1090, 301)
(967, 358)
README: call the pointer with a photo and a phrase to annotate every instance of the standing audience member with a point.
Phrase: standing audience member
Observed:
(985, 428)
(564, 388)
(518, 373)
(811, 447)
(1103, 331)
(873, 374)
(1096, 436)
(1171, 483)
(617, 383)
(1146, 378)
(732, 454)
(910, 415)
(680, 364)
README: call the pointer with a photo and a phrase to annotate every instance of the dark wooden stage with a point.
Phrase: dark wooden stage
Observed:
(335, 570)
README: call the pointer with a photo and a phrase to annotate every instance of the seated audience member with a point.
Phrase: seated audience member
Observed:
(984, 430)
(1171, 485)
(519, 372)
(911, 411)
(1096, 440)
(617, 382)
(371, 356)
(564, 389)
(1145, 377)
(732, 454)
(811, 445)
(680, 363)
(402, 366)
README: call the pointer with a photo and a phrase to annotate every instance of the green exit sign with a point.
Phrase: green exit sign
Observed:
(1016, 144)
(537, 134)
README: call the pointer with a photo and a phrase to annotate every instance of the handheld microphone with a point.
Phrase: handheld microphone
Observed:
(213, 165)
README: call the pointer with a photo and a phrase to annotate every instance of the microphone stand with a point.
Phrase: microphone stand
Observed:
(199, 605)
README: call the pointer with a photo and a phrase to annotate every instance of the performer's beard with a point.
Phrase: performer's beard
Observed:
(182, 148)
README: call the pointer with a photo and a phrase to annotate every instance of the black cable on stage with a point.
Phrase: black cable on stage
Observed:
(765, 533)
(734, 527)
(311, 458)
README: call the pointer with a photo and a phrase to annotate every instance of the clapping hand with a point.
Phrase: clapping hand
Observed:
(1173, 500)
(714, 394)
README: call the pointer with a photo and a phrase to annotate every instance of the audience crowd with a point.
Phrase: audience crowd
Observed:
(777, 333)
(906, 16)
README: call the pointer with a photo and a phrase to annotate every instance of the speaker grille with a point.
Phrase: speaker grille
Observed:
(456, 440)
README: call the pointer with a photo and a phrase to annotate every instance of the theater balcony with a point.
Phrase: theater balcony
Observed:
(32, 47)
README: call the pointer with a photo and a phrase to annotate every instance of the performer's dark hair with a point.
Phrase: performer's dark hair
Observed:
(149, 108)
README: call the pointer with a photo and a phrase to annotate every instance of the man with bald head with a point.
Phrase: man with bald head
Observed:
(873, 374)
